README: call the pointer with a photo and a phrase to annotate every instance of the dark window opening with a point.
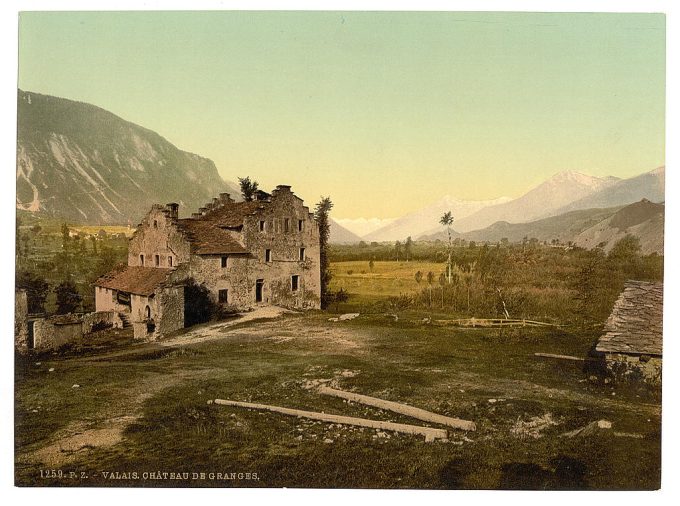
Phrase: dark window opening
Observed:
(141, 260)
(302, 254)
(150, 327)
(225, 262)
(301, 225)
(267, 255)
(155, 224)
(286, 225)
(261, 226)
(223, 296)
(147, 312)
(294, 282)
(157, 260)
(259, 286)
(169, 261)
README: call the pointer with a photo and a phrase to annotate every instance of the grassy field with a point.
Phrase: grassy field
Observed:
(141, 409)
(387, 278)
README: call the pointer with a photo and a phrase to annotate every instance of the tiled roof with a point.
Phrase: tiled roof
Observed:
(231, 214)
(207, 238)
(137, 280)
(635, 324)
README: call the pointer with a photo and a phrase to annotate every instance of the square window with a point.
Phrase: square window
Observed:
(301, 225)
(225, 262)
(286, 225)
(267, 255)
(302, 254)
(223, 296)
(157, 260)
(294, 282)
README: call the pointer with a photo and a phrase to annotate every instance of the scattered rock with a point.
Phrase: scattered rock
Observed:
(590, 429)
(332, 319)
(298, 438)
(427, 320)
(348, 316)
(51, 369)
(38, 363)
(533, 427)
(592, 378)
(75, 385)
(327, 441)
(492, 401)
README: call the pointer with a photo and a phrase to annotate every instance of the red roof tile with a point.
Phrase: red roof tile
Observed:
(207, 238)
(137, 280)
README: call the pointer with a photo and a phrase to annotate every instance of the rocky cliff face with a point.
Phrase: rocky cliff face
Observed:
(80, 163)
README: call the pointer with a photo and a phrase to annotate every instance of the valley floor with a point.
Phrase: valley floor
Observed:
(139, 416)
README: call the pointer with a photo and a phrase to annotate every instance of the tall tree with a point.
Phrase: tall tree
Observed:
(36, 290)
(68, 298)
(408, 246)
(397, 249)
(248, 188)
(321, 212)
(447, 220)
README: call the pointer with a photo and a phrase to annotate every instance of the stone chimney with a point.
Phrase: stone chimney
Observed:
(225, 197)
(173, 210)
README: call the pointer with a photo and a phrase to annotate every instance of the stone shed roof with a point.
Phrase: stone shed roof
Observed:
(137, 280)
(635, 324)
(207, 238)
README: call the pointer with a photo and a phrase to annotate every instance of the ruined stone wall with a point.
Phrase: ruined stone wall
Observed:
(242, 271)
(110, 318)
(634, 368)
(158, 235)
(21, 320)
(49, 336)
(170, 310)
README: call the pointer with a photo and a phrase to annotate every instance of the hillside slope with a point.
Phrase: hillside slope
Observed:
(78, 162)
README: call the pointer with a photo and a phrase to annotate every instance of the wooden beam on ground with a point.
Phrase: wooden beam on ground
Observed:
(566, 357)
(430, 433)
(402, 409)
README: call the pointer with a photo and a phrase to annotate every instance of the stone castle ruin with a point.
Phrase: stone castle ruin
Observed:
(244, 254)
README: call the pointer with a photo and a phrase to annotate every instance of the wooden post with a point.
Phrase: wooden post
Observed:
(429, 433)
(402, 409)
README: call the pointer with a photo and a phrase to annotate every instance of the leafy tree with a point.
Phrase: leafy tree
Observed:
(65, 237)
(447, 221)
(340, 297)
(408, 246)
(430, 280)
(36, 290)
(397, 249)
(68, 298)
(626, 248)
(418, 276)
(248, 188)
(371, 264)
(198, 304)
(321, 211)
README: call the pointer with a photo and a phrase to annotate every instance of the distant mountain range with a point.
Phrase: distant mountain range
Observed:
(424, 220)
(78, 162)
(586, 228)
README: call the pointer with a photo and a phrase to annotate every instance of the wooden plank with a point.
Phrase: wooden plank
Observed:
(430, 433)
(565, 357)
(402, 409)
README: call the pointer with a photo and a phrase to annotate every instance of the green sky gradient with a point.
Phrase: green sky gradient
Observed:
(385, 112)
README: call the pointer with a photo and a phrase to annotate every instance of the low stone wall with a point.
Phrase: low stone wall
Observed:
(94, 320)
(47, 335)
(643, 368)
